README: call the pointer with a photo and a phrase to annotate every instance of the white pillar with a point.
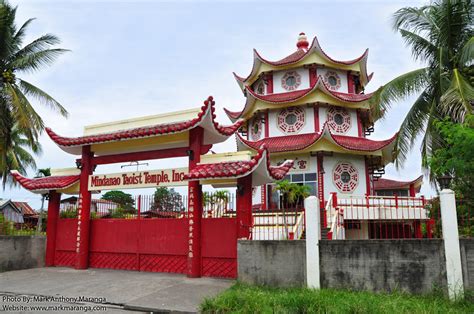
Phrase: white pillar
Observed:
(449, 222)
(313, 232)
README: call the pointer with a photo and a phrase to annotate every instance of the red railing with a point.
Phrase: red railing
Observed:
(378, 217)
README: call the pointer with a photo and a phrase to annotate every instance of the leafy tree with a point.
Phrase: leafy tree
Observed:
(125, 200)
(41, 173)
(17, 155)
(216, 202)
(292, 195)
(456, 158)
(165, 199)
(18, 117)
(440, 35)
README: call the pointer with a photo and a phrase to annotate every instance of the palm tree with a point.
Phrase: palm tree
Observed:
(41, 173)
(17, 154)
(16, 111)
(440, 35)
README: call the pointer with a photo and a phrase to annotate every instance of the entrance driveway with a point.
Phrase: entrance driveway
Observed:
(122, 290)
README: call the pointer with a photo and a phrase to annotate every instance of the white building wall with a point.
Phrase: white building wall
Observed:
(321, 72)
(257, 195)
(330, 162)
(353, 131)
(278, 75)
(308, 127)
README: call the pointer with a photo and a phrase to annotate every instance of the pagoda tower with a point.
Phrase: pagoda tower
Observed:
(311, 108)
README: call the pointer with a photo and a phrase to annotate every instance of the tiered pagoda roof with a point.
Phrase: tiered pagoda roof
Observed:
(305, 55)
(316, 141)
(320, 92)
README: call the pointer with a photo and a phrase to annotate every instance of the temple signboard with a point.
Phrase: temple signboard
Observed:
(138, 179)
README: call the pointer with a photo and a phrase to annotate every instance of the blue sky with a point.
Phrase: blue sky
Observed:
(133, 58)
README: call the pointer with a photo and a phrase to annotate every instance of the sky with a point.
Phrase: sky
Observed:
(136, 58)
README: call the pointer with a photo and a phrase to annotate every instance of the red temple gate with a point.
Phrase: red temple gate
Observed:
(191, 244)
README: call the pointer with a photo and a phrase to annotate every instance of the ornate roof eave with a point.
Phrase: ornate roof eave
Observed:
(259, 167)
(301, 55)
(359, 101)
(45, 184)
(389, 184)
(310, 141)
(213, 131)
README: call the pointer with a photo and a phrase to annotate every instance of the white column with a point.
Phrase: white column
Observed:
(449, 223)
(313, 232)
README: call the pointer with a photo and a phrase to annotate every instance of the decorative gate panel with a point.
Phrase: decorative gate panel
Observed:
(219, 247)
(65, 254)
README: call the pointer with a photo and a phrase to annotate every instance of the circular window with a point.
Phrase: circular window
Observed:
(256, 129)
(291, 81)
(291, 120)
(345, 177)
(339, 120)
(333, 80)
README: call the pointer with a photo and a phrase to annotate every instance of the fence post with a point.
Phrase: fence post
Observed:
(313, 231)
(449, 224)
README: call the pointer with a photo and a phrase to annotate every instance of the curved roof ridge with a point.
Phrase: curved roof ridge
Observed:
(45, 183)
(148, 131)
(238, 169)
(301, 54)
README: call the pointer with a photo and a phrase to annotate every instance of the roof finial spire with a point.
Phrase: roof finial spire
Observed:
(302, 42)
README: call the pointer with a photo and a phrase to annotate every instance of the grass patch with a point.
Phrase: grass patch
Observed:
(243, 298)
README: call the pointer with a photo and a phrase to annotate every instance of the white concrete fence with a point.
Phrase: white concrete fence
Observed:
(450, 236)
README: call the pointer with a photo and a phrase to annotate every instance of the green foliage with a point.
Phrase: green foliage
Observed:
(15, 229)
(20, 123)
(456, 158)
(125, 200)
(122, 213)
(69, 213)
(242, 298)
(293, 193)
(165, 199)
(440, 35)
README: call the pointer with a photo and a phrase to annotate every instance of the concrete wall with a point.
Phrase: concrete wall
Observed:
(21, 252)
(273, 263)
(416, 266)
(467, 260)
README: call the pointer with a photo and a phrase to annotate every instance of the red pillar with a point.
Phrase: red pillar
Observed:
(51, 227)
(244, 207)
(194, 206)
(83, 213)
(412, 190)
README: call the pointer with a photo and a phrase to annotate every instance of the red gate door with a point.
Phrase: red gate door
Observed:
(219, 247)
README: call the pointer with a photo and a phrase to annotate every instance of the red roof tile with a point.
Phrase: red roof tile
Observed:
(46, 183)
(295, 95)
(155, 130)
(236, 169)
(286, 143)
(297, 142)
(300, 54)
(389, 184)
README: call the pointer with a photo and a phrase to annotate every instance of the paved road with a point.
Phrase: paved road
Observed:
(120, 291)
